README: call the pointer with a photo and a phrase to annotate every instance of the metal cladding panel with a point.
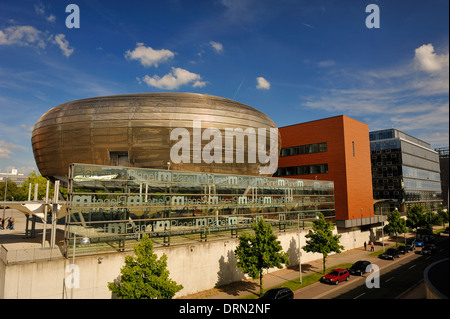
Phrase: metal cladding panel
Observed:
(88, 130)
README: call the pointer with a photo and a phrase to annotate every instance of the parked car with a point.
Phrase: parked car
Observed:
(278, 293)
(428, 249)
(402, 249)
(418, 242)
(391, 253)
(336, 276)
(359, 268)
(446, 230)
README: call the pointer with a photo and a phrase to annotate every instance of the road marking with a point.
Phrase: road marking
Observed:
(412, 267)
(389, 279)
(428, 258)
(359, 295)
(441, 250)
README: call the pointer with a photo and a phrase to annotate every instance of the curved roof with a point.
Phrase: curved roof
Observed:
(134, 130)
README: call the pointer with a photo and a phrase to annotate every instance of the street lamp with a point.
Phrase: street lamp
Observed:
(6, 188)
(299, 250)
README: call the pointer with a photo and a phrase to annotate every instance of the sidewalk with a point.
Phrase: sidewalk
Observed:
(251, 287)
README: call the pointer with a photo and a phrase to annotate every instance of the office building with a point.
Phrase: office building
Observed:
(405, 171)
(443, 163)
(335, 149)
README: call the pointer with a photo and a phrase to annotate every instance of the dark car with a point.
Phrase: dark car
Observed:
(359, 268)
(402, 250)
(278, 293)
(446, 230)
(336, 276)
(428, 249)
(418, 242)
(391, 253)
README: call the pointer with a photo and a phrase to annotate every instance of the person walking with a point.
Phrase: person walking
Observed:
(372, 247)
(365, 246)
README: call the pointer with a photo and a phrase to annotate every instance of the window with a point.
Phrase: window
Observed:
(353, 146)
(304, 149)
(302, 170)
(119, 158)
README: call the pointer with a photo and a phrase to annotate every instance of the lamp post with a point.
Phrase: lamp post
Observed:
(299, 250)
(6, 188)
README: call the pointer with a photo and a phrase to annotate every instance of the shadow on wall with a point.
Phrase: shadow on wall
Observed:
(228, 271)
(293, 252)
(230, 278)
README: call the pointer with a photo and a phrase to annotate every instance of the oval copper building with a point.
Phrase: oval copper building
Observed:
(135, 130)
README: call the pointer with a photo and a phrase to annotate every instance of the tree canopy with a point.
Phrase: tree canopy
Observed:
(322, 240)
(260, 251)
(396, 224)
(144, 276)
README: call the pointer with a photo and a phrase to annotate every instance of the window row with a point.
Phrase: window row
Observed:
(304, 149)
(302, 170)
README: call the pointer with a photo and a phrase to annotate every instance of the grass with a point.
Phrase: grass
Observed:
(306, 281)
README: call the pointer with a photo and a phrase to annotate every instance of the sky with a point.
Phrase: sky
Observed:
(294, 60)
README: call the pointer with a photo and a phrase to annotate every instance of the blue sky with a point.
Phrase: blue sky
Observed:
(296, 61)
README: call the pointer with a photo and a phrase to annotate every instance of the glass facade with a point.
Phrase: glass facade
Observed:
(404, 170)
(115, 206)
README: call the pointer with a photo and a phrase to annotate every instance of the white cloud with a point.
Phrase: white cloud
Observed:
(6, 149)
(51, 18)
(29, 36)
(412, 97)
(174, 79)
(217, 46)
(23, 36)
(427, 60)
(39, 8)
(327, 63)
(263, 84)
(147, 56)
(60, 40)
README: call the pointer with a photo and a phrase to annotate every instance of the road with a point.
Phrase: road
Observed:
(401, 278)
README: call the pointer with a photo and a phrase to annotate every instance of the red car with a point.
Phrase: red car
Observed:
(336, 275)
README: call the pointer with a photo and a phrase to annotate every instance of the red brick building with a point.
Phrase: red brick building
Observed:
(335, 149)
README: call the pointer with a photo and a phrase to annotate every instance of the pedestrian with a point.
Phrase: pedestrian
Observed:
(9, 223)
(12, 224)
(365, 246)
(372, 247)
(1, 223)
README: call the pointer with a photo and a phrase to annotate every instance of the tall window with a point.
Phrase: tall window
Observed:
(353, 146)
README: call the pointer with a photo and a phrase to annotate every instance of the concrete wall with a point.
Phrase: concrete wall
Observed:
(197, 267)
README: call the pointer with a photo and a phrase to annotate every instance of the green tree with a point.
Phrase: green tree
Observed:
(415, 217)
(259, 251)
(35, 178)
(443, 213)
(12, 191)
(321, 239)
(396, 225)
(144, 276)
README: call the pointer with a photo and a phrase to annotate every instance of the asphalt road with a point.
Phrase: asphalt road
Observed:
(399, 279)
